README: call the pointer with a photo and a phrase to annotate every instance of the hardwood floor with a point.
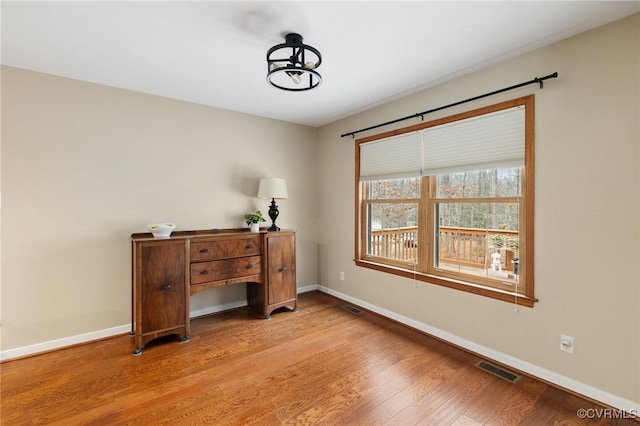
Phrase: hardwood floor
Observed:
(320, 365)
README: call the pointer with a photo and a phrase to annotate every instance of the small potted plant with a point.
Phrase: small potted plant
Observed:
(253, 220)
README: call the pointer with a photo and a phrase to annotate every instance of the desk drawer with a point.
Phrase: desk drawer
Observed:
(220, 270)
(225, 248)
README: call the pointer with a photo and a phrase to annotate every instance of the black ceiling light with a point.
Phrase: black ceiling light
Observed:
(292, 65)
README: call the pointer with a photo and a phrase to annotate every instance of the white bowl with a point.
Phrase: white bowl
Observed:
(161, 230)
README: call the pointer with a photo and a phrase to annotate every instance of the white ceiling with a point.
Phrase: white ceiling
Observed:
(214, 53)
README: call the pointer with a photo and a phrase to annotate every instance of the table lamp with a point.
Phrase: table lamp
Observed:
(273, 188)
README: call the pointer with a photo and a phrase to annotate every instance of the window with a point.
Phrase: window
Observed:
(450, 201)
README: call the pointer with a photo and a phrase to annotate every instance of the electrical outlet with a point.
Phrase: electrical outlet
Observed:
(566, 343)
(341, 276)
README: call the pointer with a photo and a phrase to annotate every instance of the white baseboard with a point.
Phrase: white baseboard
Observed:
(564, 382)
(217, 308)
(64, 342)
(308, 288)
(111, 332)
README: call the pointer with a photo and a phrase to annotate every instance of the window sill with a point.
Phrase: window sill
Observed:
(505, 296)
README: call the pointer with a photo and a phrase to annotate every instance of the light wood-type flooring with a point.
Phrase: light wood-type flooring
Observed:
(320, 365)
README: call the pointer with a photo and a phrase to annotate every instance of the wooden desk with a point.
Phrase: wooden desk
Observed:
(167, 271)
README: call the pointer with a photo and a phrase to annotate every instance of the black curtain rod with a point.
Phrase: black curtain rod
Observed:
(421, 114)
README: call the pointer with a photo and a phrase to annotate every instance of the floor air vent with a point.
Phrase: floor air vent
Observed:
(497, 371)
(352, 309)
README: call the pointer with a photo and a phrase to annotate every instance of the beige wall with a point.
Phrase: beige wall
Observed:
(587, 214)
(84, 166)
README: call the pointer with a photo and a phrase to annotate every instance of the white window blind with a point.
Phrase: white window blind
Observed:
(489, 141)
(392, 158)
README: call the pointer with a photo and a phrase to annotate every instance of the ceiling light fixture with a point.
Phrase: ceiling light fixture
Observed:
(292, 65)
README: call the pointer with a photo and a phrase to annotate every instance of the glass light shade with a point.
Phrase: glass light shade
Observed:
(273, 188)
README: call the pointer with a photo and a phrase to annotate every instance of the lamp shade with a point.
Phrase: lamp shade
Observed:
(273, 188)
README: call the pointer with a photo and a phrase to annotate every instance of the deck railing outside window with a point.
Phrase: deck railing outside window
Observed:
(458, 246)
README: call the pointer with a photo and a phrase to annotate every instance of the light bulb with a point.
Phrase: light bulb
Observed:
(309, 65)
(296, 78)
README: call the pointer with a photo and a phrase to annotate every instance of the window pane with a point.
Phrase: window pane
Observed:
(480, 183)
(398, 189)
(479, 239)
(491, 216)
(392, 231)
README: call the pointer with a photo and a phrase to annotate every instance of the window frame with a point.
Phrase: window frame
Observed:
(421, 271)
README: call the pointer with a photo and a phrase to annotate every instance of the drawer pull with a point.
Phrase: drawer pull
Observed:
(205, 272)
(166, 286)
(249, 266)
(282, 269)
(204, 250)
(249, 246)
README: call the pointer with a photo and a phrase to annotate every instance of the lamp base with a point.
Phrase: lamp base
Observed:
(273, 214)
